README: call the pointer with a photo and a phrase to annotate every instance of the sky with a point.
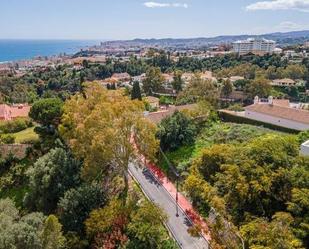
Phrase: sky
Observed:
(129, 19)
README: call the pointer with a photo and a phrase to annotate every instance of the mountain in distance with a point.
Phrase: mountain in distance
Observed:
(282, 38)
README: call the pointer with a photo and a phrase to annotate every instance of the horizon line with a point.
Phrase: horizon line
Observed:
(149, 38)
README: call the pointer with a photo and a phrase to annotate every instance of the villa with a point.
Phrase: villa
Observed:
(10, 112)
(279, 113)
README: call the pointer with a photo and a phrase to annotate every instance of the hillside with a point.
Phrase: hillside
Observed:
(282, 38)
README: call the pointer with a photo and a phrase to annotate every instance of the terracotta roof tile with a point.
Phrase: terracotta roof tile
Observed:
(298, 115)
(157, 117)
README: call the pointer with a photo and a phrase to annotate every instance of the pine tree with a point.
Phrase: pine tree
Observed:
(136, 91)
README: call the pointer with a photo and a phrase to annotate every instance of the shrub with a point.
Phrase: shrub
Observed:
(15, 125)
(7, 139)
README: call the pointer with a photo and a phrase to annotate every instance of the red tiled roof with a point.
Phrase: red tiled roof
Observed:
(298, 115)
(157, 117)
(281, 102)
(15, 111)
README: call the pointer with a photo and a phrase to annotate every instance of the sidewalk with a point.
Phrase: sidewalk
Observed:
(183, 202)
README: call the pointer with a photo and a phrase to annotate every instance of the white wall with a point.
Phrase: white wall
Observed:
(276, 121)
(304, 149)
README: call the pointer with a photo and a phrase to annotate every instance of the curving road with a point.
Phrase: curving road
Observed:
(178, 226)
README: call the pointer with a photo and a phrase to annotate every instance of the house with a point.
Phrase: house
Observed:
(207, 75)
(106, 82)
(304, 148)
(4, 71)
(153, 101)
(283, 82)
(235, 78)
(235, 96)
(168, 78)
(10, 112)
(278, 114)
(186, 77)
(139, 78)
(121, 77)
(157, 117)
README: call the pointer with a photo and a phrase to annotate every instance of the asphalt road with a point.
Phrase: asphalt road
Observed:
(177, 225)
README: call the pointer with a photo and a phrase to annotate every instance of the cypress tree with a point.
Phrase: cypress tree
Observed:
(136, 91)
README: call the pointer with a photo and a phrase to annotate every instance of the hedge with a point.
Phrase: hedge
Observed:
(15, 125)
(227, 117)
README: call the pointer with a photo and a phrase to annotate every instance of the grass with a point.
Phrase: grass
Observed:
(25, 135)
(216, 133)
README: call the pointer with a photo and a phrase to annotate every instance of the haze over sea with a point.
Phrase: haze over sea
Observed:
(13, 50)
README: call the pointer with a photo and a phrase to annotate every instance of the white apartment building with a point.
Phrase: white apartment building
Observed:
(258, 46)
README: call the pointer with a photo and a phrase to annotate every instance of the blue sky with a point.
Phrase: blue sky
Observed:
(127, 19)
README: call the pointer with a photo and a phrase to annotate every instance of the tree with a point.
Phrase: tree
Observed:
(107, 225)
(199, 90)
(258, 87)
(74, 207)
(52, 237)
(241, 84)
(211, 159)
(153, 81)
(294, 71)
(303, 136)
(175, 131)
(177, 82)
(19, 232)
(136, 91)
(50, 176)
(145, 228)
(99, 126)
(227, 88)
(47, 111)
(260, 233)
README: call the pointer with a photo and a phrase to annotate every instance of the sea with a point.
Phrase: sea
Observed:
(14, 50)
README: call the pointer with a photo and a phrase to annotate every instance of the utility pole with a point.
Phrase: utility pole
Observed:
(177, 180)
(175, 172)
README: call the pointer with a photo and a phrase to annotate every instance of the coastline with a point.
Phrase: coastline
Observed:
(16, 50)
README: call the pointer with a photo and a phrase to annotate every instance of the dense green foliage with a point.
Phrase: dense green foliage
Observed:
(153, 81)
(252, 178)
(136, 91)
(136, 225)
(15, 125)
(64, 81)
(47, 111)
(178, 82)
(31, 231)
(198, 90)
(50, 177)
(76, 204)
(175, 131)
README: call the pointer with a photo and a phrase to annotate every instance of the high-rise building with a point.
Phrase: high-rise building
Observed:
(259, 46)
